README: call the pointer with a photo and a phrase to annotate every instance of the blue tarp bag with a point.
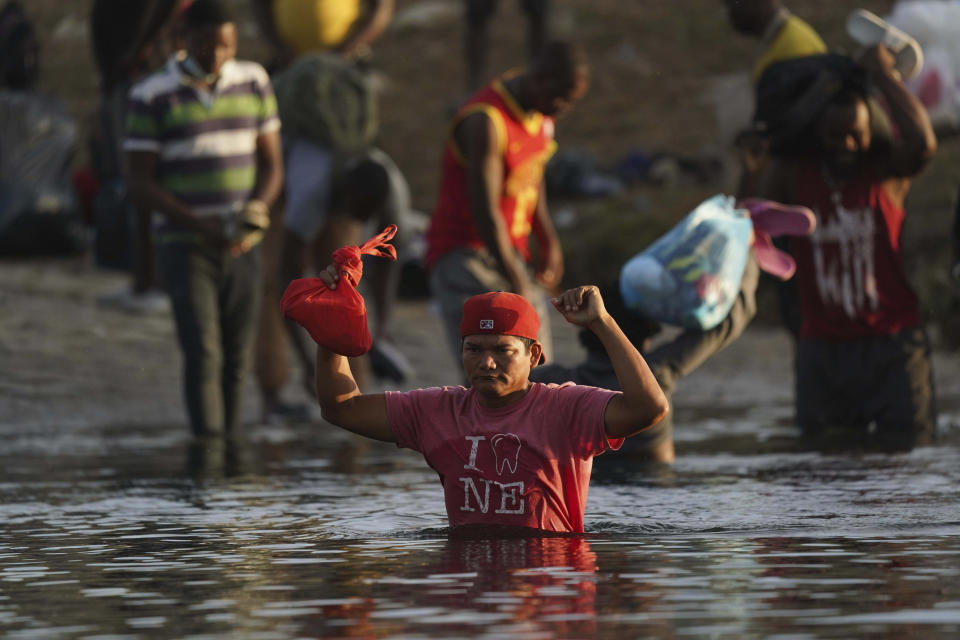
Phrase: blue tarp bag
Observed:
(690, 276)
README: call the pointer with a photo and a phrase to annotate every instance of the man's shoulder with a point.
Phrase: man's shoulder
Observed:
(429, 394)
(551, 391)
(161, 81)
(798, 33)
(487, 102)
(569, 403)
(240, 71)
(551, 385)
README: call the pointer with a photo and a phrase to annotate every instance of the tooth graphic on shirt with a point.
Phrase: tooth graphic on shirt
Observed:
(506, 451)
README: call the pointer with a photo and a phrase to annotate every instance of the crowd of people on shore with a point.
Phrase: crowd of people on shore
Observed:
(244, 180)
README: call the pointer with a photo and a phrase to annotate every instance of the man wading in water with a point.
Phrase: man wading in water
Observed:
(511, 454)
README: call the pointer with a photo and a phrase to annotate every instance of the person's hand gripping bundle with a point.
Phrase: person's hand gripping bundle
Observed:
(337, 318)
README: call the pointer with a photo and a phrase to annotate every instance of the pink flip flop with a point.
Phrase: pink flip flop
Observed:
(778, 219)
(772, 260)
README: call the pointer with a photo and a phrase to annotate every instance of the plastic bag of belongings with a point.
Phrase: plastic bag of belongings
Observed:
(38, 209)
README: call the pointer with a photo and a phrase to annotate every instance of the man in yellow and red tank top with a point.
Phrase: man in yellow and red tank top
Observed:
(491, 190)
(862, 357)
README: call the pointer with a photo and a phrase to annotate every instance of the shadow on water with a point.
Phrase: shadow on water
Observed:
(137, 531)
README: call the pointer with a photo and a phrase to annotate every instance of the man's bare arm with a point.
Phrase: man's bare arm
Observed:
(550, 268)
(269, 168)
(149, 196)
(477, 136)
(641, 403)
(338, 394)
(342, 403)
(376, 18)
(917, 143)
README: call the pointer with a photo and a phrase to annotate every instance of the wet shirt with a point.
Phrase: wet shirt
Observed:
(850, 271)
(525, 141)
(524, 465)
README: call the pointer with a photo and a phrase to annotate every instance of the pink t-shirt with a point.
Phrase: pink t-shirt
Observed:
(525, 465)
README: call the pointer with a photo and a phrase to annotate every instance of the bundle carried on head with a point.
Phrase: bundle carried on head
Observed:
(792, 94)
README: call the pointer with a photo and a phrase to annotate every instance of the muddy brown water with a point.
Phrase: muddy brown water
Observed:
(113, 524)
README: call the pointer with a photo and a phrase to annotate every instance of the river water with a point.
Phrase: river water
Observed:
(294, 532)
(112, 525)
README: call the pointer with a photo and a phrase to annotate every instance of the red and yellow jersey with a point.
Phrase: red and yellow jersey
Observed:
(525, 141)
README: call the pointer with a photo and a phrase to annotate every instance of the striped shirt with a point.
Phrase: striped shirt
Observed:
(206, 139)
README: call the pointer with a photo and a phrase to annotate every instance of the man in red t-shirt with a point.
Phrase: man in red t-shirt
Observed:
(491, 189)
(862, 358)
(510, 452)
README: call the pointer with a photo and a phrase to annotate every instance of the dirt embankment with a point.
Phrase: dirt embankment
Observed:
(659, 73)
(66, 358)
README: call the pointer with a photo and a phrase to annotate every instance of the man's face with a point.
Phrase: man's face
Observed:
(844, 136)
(212, 47)
(498, 366)
(554, 101)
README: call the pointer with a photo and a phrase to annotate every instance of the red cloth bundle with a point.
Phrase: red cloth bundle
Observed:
(337, 319)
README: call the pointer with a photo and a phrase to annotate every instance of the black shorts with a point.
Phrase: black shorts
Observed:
(875, 392)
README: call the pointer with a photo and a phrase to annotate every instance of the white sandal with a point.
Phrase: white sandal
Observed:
(869, 29)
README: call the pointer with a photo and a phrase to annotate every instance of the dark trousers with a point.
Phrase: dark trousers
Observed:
(875, 392)
(216, 301)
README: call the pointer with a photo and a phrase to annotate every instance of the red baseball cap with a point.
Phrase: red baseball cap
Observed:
(500, 313)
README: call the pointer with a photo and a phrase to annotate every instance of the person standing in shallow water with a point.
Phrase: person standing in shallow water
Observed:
(511, 454)
(862, 363)
(203, 150)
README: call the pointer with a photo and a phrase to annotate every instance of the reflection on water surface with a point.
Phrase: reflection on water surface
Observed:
(133, 533)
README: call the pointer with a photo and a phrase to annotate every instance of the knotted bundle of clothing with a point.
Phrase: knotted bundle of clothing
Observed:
(337, 318)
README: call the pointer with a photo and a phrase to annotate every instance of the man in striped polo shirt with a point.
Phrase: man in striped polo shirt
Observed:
(203, 152)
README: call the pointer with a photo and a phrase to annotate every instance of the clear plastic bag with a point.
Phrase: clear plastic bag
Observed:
(690, 276)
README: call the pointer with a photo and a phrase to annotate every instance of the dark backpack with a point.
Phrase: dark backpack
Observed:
(328, 101)
(19, 48)
(792, 94)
